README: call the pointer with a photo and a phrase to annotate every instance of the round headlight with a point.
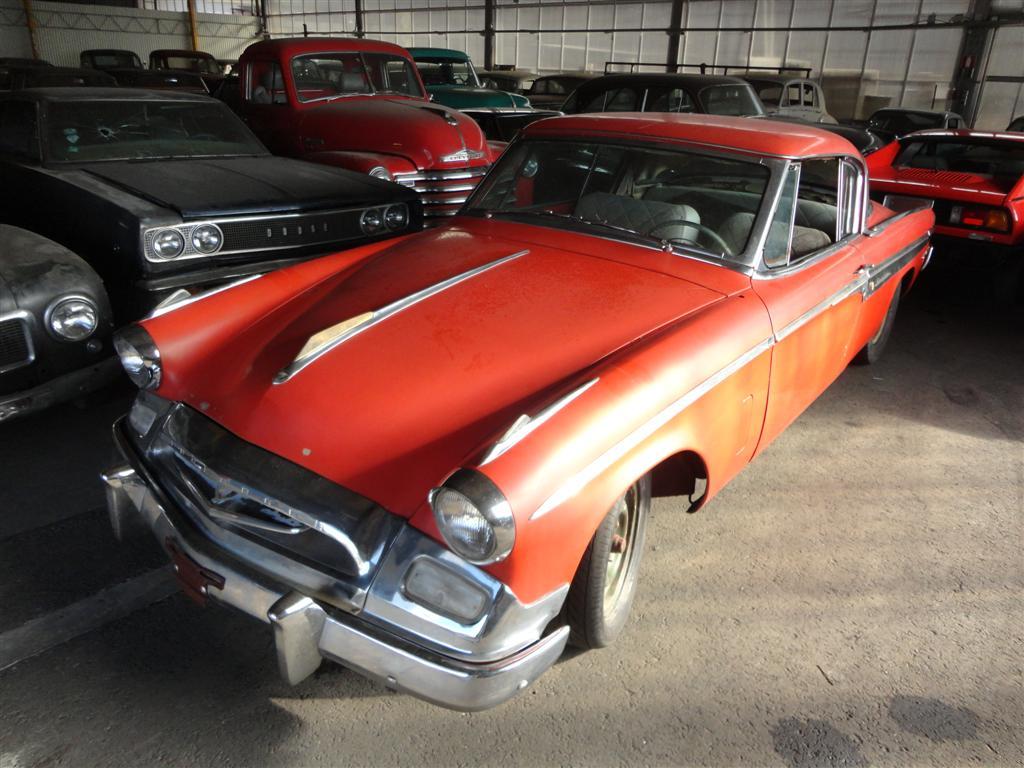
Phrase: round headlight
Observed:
(372, 221)
(168, 244)
(73, 318)
(380, 172)
(474, 517)
(396, 216)
(207, 238)
(139, 356)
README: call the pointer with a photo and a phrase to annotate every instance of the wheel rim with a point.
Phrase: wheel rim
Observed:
(623, 548)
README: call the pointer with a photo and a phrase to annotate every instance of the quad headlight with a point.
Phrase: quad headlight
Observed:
(73, 318)
(372, 221)
(474, 517)
(168, 244)
(207, 238)
(139, 355)
(396, 216)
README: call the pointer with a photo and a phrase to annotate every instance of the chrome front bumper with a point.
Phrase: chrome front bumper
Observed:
(307, 631)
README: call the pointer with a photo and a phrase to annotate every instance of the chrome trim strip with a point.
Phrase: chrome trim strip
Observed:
(883, 225)
(163, 309)
(471, 173)
(621, 448)
(26, 320)
(882, 273)
(525, 425)
(380, 315)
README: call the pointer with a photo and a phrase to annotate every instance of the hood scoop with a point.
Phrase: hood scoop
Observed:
(332, 337)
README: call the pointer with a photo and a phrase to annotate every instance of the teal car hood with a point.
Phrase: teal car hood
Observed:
(467, 97)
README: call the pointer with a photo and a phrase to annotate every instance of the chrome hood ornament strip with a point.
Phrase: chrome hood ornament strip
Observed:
(525, 425)
(322, 342)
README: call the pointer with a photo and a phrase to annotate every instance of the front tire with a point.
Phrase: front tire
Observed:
(872, 351)
(602, 591)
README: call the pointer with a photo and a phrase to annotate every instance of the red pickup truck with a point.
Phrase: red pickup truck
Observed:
(360, 104)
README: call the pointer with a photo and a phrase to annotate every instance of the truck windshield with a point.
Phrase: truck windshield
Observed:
(78, 131)
(440, 71)
(634, 192)
(330, 75)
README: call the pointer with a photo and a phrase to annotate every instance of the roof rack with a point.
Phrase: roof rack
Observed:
(703, 68)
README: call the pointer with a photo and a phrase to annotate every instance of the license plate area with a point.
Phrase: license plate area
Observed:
(195, 580)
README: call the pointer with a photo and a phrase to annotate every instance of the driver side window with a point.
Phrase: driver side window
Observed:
(265, 85)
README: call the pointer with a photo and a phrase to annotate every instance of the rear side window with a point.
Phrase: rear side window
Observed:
(668, 100)
(266, 84)
(19, 129)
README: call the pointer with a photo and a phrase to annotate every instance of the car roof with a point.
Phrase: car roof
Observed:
(772, 77)
(109, 50)
(519, 74)
(580, 74)
(180, 52)
(964, 133)
(662, 78)
(439, 53)
(87, 93)
(902, 110)
(300, 45)
(754, 135)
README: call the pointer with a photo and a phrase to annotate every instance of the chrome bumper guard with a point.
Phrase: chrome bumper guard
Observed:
(307, 631)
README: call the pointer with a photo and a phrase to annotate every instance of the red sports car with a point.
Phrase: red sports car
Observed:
(973, 180)
(432, 460)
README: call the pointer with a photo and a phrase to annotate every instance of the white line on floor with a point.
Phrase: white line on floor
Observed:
(93, 612)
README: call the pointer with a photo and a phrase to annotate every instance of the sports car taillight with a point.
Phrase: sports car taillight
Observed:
(979, 217)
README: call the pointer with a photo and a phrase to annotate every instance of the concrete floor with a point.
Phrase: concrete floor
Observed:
(855, 597)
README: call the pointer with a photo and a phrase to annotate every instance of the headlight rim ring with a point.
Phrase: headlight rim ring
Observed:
(53, 306)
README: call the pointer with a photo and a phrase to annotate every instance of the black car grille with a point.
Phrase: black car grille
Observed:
(291, 231)
(15, 344)
(443, 192)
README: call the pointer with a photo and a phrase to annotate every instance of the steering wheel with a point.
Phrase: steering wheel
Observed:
(701, 228)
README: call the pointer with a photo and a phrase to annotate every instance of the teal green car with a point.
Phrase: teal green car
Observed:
(451, 80)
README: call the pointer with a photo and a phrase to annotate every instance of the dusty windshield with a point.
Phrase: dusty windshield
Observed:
(79, 131)
(447, 72)
(679, 198)
(331, 75)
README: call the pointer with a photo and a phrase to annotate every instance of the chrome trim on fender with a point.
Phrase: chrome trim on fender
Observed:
(881, 226)
(526, 424)
(170, 304)
(380, 315)
(634, 438)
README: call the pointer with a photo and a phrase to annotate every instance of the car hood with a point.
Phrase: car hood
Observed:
(464, 96)
(949, 185)
(389, 412)
(242, 185)
(429, 135)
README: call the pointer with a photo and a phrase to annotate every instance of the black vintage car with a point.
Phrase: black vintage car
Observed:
(665, 92)
(55, 324)
(167, 195)
(15, 78)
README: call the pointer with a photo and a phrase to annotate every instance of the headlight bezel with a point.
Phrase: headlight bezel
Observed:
(156, 238)
(194, 234)
(488, 503)
(396, 208)
(56, 305)
(370, 227)
(139, 356)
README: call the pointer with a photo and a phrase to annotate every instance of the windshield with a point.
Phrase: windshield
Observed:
(86, 131)
(438, 71)
(114, 60)
(736, 99)
(978, 156)
(332, 75)
(681, 198)
(193, 64)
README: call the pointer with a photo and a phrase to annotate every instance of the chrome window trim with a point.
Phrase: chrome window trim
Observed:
(380, 315)
(27, 320)
(182, 226)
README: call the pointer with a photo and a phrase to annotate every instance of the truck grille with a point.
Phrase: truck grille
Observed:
(443, 192)
(15, 344)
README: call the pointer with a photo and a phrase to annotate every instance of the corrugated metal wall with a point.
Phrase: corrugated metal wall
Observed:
(862, 60)
(65, 29)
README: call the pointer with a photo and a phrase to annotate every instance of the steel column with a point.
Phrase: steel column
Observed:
(489, 34)
(675, 30)
(30, 24)
(192, 26)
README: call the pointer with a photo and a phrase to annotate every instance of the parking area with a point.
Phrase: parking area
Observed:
(855, 597)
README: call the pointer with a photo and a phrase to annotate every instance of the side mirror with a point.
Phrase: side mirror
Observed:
(430, 97)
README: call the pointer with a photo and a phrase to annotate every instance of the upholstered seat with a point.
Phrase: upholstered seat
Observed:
(644, 216)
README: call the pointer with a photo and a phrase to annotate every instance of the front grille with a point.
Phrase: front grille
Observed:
(231, 488)
(15, 344)
(291, 232)
(443, 192)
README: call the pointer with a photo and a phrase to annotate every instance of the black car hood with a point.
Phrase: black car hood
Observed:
(244, 185)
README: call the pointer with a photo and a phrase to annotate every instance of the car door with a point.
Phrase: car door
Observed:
(266, 107)
(809, 281)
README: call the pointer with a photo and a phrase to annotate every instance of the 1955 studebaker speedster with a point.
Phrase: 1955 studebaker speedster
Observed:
(432, 460)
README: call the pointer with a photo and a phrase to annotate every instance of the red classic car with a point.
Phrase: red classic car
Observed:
(973, 180)
(433, 460)
(360, 104)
